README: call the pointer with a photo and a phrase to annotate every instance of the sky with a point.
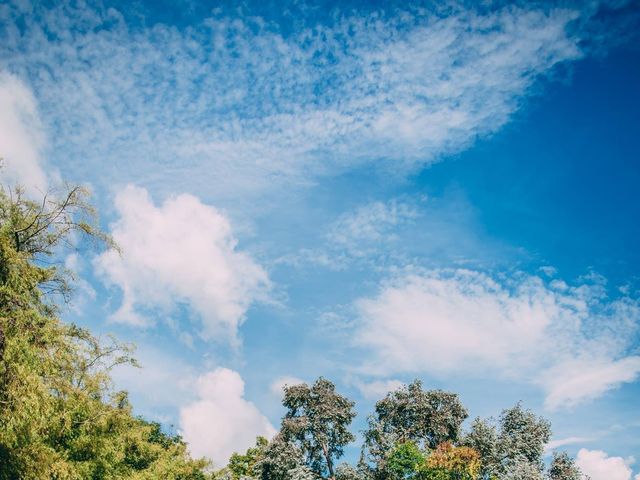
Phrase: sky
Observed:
(369, 192)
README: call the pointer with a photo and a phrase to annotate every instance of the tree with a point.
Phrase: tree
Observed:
(347, 472)
(318, 420)
(280, 457)
(411, 414)
(404, 461)
(302, 472)
(523, 435)
(483, 438)
(521, 469)
(510, 448)
(59, 416)
(563, 468)
(242, 466)
(519, 439)
(451, 462)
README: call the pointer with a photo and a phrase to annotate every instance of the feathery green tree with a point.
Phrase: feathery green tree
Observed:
(317, 421)
(59, 415)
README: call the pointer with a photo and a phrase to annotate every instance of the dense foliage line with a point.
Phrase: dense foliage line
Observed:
(414, 434)
(60, 417)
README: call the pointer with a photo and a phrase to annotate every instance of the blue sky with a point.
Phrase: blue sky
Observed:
(365, 191)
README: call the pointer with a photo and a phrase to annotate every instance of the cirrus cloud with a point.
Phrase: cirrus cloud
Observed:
(236, 98)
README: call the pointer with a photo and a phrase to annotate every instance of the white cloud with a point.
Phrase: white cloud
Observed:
(361, 234)
(561, 442)
(579, 379)
(84, 291)
(221, 421)
(377, 389)
(391, 235)
(599, 466)
(234, 98)
(571, 341)
(181, 251)
(21, 135)
(548, 270)
(370, 224)
(277, 386)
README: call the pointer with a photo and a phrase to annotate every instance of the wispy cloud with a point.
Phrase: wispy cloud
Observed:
(573, 342)
(244, 106)
(388, 236)
(356, 232)
(561, 442)
(21, 136)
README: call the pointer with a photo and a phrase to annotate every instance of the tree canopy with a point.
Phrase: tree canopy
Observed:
(414, 434)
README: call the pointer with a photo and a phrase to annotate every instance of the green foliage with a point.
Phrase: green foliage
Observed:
(483, 438)
(244, 465)
(347, 472)
(521, 469)
(59, 417)
(411, 414)
(450, 462)
(515, 445)
(318, 420)
(302, 472)
(279, 459)
(563, 468)
(446, 462)
(404, 461)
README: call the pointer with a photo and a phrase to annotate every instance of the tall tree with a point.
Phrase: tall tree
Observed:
(59, 416)
(279, 459)
(317, 420)
(483, 438)
(411, 414)
(519, 438)
(523, 435)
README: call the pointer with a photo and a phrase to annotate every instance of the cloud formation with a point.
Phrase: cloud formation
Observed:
(277, 386)
(561, 442)
(221, 421)
(573, 342)
(599, 466)
(21, 135)
(182, 251)
(237, 99)
(377, 389)
(371, 224)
